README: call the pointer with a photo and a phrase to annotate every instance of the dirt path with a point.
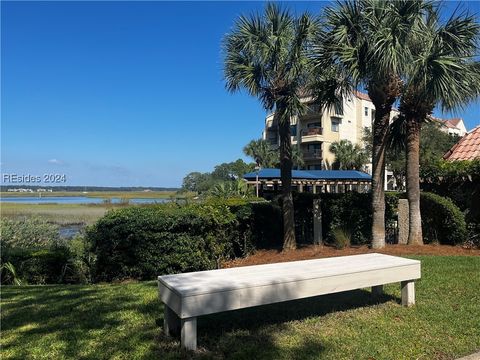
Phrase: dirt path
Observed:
(314, 252)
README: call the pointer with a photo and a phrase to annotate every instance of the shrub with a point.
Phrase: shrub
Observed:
(37, 266)
(342, 237)
(442, 220)
(143, 242)
(28, 232)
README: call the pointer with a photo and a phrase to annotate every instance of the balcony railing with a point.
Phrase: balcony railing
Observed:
(312, 154)
(312, 131)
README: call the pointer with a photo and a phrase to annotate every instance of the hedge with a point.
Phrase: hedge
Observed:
(442, 220)
(143, 242)
(350, 211)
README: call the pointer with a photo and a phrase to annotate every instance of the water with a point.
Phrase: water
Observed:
(70, 231)
(75, 200)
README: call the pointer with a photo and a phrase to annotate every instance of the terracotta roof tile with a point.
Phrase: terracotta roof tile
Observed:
(362, 96)
(467, 148)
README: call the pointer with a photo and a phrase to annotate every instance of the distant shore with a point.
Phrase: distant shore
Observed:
(97, 194)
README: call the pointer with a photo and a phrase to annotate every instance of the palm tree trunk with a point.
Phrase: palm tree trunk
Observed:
(289, 242)
(413, 182)
(380, 131)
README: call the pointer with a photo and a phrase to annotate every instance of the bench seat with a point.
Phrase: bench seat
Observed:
(189, 295)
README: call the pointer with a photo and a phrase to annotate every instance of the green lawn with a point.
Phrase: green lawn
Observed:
(124, 322)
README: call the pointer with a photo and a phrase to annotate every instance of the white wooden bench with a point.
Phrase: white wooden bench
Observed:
(186, 296)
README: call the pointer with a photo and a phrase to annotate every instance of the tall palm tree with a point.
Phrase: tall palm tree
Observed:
(348, 156)
(443, 72)
(262, 153)
(266, 54)
(368, 39)
(297, 157)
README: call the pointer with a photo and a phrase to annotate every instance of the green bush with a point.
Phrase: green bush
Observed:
(459, 181)
(28, 232)
(38, 266)
(442, 220)
(143, 242)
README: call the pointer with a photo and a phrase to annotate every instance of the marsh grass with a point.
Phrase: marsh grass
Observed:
(123, 321)
(61, 214)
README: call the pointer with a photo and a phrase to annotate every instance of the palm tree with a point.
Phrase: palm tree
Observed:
(368, 40)
(262, 153)
(266, 54)
(443, 72)
(266, 156)
(228, 189)
(297, 157)
(348, 156)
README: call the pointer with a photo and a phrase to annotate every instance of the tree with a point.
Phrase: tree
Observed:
(262, 153)
(434, 143)
(232, 170)
(228, 189)
(266, 54)
(266, 156)
(443, 72)
(348, 156)
(368, 40)
(198, 182)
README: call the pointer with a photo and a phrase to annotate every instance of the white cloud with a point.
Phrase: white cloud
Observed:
(56, 161)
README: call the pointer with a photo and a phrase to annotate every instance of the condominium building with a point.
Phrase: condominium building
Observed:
(316, 130)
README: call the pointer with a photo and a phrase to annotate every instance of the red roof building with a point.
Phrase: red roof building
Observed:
(467, 148)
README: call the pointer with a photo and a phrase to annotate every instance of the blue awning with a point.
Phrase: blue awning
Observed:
(271, 174)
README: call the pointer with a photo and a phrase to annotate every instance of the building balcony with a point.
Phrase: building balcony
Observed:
(312, 131)
(312, 134)
(312, 155)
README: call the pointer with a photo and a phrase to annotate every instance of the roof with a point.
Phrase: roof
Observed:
(467, 148)
(304, 94)
(449, 123)
(454, 121)
(311, 175)
(362, 96)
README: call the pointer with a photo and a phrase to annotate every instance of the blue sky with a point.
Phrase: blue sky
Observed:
(124, 93)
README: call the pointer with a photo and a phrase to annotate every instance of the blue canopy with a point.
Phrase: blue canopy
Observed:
(311, 175)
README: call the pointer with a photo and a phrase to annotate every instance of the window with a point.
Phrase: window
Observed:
(366, 111)
(335, 124)
(314, 125)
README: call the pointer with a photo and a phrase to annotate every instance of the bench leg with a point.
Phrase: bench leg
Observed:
(408, 293)
(171, 322)
(189, 333)
(377, 290)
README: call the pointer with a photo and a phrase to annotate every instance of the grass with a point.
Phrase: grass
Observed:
(123, 321)
(61, 214)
